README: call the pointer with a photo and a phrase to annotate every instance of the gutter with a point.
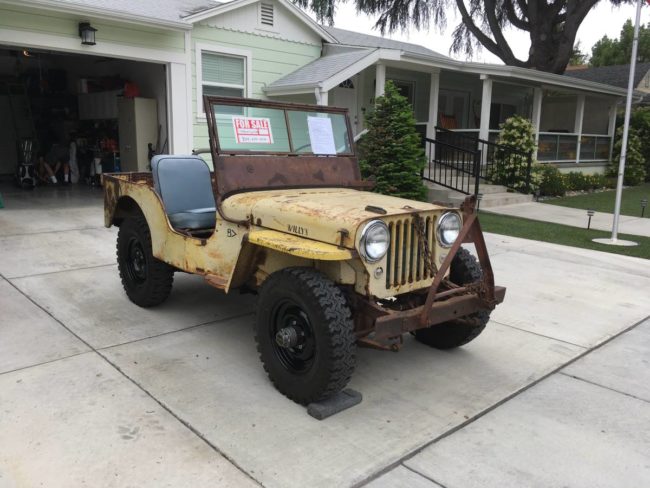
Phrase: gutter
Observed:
(100, 13)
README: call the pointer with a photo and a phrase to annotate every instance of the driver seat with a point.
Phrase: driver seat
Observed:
(185, 188)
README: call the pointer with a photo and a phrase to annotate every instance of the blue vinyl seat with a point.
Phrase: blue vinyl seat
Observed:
(185, 187)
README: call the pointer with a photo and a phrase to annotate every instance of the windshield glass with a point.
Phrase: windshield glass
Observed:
(251, 129)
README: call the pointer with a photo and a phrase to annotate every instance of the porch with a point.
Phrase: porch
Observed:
(574, 125)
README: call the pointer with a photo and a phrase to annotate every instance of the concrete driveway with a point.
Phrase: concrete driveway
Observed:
(96, 391)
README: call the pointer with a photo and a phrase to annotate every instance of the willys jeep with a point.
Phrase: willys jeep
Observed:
(285, 214)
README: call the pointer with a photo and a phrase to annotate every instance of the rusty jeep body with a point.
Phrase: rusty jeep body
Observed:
(289, 218)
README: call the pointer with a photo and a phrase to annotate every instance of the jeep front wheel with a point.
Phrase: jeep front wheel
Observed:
(465, 269)
(304, 334)
(147, 281)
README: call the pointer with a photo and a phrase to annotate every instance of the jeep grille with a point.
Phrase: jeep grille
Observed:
(404, 262)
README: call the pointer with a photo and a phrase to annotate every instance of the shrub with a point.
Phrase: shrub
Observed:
(392, 152)
(635, 171)
(577, 181)
(552, 182)
(510, 169)
(640, 121)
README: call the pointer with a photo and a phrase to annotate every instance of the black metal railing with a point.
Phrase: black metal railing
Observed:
(499, 164)
(452, 166)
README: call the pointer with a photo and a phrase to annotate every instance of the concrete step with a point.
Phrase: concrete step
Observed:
(484, 188)
(495, 199)
(493, 196)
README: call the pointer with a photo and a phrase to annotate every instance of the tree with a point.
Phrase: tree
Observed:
(578, 58)
(608, 52)
(634, 161)
(391, 151)
(551, 25)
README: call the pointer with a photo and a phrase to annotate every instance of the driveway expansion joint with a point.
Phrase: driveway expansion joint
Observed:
(494, 406)
(603, 386)
(140, 387)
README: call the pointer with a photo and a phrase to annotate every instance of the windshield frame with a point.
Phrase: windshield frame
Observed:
(211, 101)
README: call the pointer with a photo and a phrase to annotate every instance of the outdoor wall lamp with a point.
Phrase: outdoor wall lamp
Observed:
(644, 204)
(590, 213)
(87, 34)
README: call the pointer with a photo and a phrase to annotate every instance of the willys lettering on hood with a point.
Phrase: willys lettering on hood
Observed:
(320, 214)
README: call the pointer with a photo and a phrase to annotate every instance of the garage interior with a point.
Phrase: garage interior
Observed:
(110, 109)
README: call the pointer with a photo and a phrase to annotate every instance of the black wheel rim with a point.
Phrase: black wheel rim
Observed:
(299, 358)
(136, 261)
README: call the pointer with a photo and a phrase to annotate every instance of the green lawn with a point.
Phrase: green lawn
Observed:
(604, 201)
(560, 234)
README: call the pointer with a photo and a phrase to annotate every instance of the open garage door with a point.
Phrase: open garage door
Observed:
(98, 112)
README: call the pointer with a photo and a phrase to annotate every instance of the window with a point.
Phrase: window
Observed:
(223, 73)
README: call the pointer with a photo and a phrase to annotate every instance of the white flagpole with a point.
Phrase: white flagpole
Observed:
(626, 125)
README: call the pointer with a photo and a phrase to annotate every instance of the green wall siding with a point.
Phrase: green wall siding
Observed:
(271, 59)
(66, 25)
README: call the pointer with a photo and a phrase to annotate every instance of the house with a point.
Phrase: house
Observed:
(175, 51)
(617, 75)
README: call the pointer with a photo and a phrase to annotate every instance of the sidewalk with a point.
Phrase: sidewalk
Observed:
(575, 217)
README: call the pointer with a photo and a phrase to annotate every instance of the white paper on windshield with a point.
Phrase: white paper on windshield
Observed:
(321, 135)
(252, 130)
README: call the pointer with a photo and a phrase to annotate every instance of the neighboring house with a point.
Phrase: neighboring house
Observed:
(617, 75)
(271, 49)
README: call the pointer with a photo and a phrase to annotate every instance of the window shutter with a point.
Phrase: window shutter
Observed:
(222, 69)
(266, 14)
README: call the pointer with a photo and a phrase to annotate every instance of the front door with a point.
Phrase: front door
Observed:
(345, 96)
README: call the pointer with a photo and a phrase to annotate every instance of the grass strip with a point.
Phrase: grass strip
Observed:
(604, 201)
(561, 234)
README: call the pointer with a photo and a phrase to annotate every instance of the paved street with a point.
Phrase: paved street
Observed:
(96, 391)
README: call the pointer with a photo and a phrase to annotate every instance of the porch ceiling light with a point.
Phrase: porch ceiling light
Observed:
(87, 34)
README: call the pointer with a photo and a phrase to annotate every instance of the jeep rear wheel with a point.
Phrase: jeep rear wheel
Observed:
(147, 281)
(304, 334)
(465, 269)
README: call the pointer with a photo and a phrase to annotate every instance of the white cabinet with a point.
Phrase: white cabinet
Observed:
(98, 106)
(138, 126)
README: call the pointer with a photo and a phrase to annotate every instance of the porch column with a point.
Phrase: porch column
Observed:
(611, 130)
(580, 113)
(380, 79)
(538, 97)
(486, 104)
(434, 93)
(322, 96)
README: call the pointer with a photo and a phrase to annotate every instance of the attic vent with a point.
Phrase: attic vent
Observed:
(266, 14)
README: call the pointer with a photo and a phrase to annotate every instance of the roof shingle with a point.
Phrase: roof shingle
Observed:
(611, 75)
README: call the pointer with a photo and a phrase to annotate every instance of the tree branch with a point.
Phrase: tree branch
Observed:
(511, 12)
(490, 13)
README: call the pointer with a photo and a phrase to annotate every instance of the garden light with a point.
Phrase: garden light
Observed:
(479, 197)
(590, 213)
(644, 204)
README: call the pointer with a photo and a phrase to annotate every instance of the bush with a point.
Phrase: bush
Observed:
(517, 133)
(635, 171)
(640, 121)
(551, 181)
(392, 152)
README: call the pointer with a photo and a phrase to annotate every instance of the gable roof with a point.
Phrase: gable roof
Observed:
(617, 75)
(352, 38)
(321, 69)
(166, 12)
(223, 7)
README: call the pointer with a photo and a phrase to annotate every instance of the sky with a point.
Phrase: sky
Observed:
(604, 19)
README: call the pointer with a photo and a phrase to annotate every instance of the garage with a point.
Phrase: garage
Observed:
(74, 116)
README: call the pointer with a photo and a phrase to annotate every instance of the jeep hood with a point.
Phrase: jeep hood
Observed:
(320, 214)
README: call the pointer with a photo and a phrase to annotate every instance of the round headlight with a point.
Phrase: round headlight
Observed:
(374, 241)
(448, 229)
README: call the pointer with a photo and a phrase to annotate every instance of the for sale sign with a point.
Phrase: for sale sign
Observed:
(252, 130)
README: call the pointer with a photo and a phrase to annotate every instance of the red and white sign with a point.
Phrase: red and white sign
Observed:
(252, 130)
